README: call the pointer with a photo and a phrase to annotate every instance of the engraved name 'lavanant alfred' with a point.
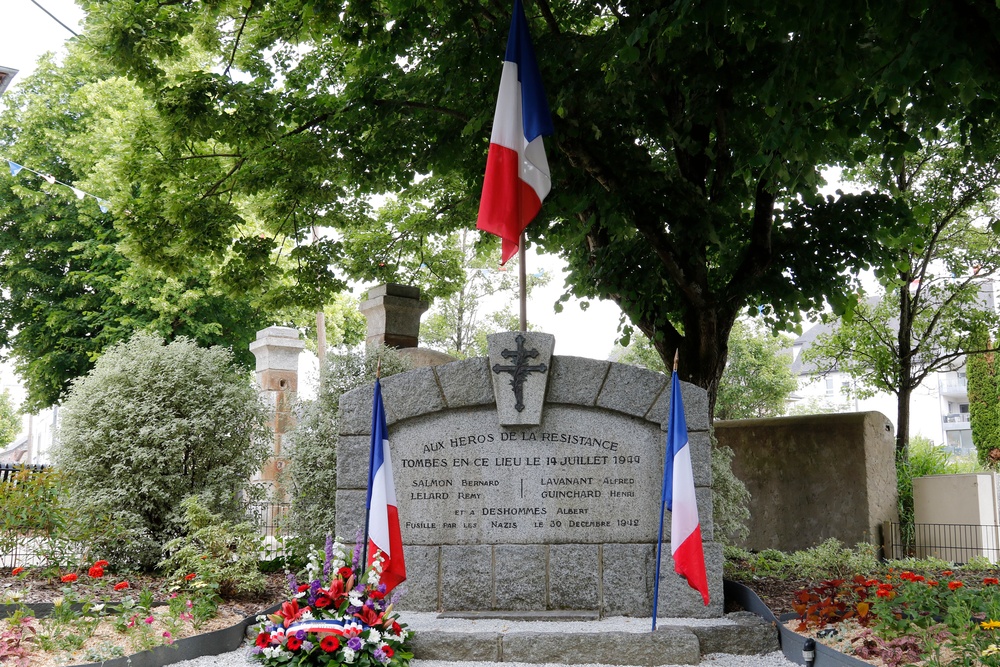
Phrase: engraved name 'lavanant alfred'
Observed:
(528, 485)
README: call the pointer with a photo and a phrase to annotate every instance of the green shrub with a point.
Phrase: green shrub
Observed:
(151, 424)
(730, 498)
(312, 446)
(832, 559)
(220, 552)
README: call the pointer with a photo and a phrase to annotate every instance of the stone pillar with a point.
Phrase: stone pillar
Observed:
(393, 313)
(277, 351)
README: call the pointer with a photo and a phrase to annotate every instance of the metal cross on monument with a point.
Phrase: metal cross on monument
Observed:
(519, 370)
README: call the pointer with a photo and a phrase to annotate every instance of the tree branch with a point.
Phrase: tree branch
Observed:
(239, 35)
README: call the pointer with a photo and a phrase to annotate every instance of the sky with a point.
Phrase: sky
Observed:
(26, 32)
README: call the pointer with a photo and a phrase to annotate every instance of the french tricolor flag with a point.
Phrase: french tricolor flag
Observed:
(383, 512)
(678, 497)
(517, 173)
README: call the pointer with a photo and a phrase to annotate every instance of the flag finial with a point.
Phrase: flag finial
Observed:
(677, 357)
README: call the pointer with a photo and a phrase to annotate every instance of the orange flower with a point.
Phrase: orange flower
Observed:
(16, 571)
(101, 563)
(946, 573)
(121, 585)
(954, 585)
(68, 578)
(190, 576)
(96, 572)
(932, 583)
(991, 581)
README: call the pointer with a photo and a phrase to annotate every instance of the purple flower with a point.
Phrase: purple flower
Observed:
(354, 643)
(301, 635)
(380, 656)
(293, 583)
(351, 609)
(381, 589)
(329, 557)
(314, 591)
(256, 650)
(307, 646)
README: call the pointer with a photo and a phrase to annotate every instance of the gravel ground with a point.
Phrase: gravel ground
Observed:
(429, 622)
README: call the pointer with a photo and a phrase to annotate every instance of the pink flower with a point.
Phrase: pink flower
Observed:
(149, 620)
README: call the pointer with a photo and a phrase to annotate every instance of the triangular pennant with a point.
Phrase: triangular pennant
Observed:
(50, 178)
(80, 194)
(14, 168)
(103, 204)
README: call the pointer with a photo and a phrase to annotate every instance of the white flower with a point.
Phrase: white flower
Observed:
(307, 615)
(273, 652)
(348, 655)
(374, 636)
(354, 600)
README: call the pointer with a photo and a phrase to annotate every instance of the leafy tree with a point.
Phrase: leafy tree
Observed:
(458, 324)
(984, 402)
(758, 377)
(152, 423)
(686, 160)
(72, 290)
(932, 302)
(10, 419)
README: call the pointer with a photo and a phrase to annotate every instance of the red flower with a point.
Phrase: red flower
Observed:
(294, 643)
(345, 572)
(68, 578)
(16, 571)
(322, 601)
(952, 585)
(263, 640)
(885, 593)
(396, 630)
(368, 616)
(991, 581)
(932, 583)
(190, 576)
(946, 573)
(102, 563)
(290, 611)
(303, 588)
(329, 643)
(388, 651)
(917, 577)
(96, 572)
(121, 585)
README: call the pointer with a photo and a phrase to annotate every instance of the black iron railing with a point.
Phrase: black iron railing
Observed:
(953, 542)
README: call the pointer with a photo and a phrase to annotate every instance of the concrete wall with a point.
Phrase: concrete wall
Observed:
(814, 477)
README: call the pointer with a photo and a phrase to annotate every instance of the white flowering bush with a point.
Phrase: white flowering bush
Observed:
(340, 615)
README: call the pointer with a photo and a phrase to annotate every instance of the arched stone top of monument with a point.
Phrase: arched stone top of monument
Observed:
(620, 388)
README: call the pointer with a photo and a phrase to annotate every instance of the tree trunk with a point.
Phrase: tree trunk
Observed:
(904, 379)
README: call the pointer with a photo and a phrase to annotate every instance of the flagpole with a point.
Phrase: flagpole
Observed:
(371, 465)
(663, 507)
(522, 273)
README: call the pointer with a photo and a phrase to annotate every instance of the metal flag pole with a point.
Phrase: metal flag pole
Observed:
(522, 274)
(663, 506)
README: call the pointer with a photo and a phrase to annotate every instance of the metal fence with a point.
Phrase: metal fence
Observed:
(953, 542)
(9, 471)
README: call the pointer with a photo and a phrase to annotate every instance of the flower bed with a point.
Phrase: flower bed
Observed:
(95, 618)
(905, 618)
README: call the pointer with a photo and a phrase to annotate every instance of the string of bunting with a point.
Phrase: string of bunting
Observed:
(16, 168)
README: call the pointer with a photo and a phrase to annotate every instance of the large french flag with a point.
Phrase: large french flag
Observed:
(383, 512)
(517, 172)
(679, 498)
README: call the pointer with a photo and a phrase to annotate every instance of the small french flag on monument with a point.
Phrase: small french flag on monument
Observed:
(517, 172)
(383, 512)
(678, 497)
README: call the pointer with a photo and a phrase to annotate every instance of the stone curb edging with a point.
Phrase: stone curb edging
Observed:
(224, 640)
(791, 642)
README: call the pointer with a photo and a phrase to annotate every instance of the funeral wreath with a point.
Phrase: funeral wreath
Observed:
(339, 615)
